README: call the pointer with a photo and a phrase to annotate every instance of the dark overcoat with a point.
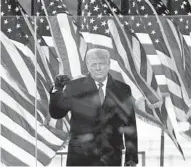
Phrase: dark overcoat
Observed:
(97, 130)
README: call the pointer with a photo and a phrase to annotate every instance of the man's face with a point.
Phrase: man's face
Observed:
(98, 66)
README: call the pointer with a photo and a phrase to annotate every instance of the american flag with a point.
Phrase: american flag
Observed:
(94, 26)
(27, 76)
(94, 22)
(181, 15)
(165, 39)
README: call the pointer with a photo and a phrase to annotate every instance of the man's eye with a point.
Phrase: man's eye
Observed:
(93, 65)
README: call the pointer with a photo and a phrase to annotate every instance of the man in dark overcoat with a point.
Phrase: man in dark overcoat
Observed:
(102, 112)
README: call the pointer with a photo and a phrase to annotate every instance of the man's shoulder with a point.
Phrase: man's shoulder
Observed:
(78, 81)
(121, 85)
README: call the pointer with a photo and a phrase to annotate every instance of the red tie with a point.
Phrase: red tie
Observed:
(101, 94)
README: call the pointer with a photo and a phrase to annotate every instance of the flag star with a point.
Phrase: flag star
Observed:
(26, 36)
(51, 3)
(54, 12)
(187, 27)
(153, 32)
(138, 25)
(159, 5)
(92, 1)
(39, 40)
(6, 21)
(59, 6)
(82, 13)
(189, 13)
(47, 27)
(182, 6)
(107, 31)
(126, 23)
(103, 23)
(37, 13)
(87, 26)
(42, 7)
(86, 6)
(96, 8)
(95, 28)
(132, 17)
(100, 15)
(157, 40)
(133, 4)
(82, 26)
(167, 11)
(92, 20)
(18, 17)
(149, 24)
(105, 5)
(2, 13)
(89, 13)
(139, 0)
(114, 10)
(9, 30)
(184, 2)
(120, 16)
(142, 7)
(16, 9)
(181, 19)
(175, 12)
(41, 20)
(9, 7)
(132, 31)
(146, 15)
(18, 25)
(84, 19)
(83, 1)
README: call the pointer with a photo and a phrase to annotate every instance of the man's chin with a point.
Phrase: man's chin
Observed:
(99, 78)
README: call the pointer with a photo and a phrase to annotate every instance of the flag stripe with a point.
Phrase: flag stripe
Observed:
(97, 39)
(19, 153)
(8, 64)
(19, 99)
(67, 33)
(60, 44)
(24, 144)
(27, 53)
(29, 118)
(8, 159)
(18, 125)
(23, 126)
(20, 65)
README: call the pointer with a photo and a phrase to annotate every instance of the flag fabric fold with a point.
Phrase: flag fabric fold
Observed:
(27, 75)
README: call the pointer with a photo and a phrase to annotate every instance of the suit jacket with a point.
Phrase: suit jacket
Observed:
(97, 130)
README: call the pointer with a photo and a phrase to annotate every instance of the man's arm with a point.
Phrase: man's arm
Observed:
(130, 133)
(60, 101)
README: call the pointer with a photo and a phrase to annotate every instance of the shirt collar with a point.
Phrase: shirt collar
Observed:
(104, 82)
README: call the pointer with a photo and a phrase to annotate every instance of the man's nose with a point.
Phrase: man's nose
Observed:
(98, 67)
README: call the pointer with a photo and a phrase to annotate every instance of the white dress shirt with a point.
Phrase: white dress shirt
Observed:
(103, 87)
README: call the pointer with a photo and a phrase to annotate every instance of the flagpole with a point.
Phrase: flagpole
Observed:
(162, 148)
(32, 7)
